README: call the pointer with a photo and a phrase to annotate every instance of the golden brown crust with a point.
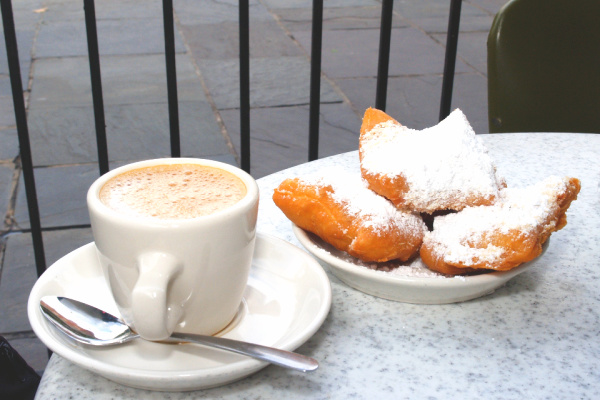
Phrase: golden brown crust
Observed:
(518, 249)
(374, 117)
(564, 201)
(379, 130)
(515, 246)
(392, 189)
(436, 263)
(314, 208)
(308, 207)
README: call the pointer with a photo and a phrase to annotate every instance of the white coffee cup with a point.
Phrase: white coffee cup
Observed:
(184, 275)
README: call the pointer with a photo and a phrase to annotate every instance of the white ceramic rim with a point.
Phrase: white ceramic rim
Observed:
(249, 201)
(429, 283)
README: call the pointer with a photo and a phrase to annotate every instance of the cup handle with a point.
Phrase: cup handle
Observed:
(150, 310)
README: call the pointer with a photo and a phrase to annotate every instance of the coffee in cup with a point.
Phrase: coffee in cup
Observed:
(172, 191)
(175, 239)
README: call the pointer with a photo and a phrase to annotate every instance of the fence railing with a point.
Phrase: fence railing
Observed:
(244, 55)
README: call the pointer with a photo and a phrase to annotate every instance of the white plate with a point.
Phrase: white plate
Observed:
(411, 282)
(287, 299)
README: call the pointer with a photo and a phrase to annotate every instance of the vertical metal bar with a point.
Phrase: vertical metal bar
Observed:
(96, 80)
(315, 80)
(385, 35)
(14, 69)
(244, 84)
(450, 62)
(171, 77)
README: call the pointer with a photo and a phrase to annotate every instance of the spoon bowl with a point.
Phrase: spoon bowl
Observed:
(91, 326)
(84, 323)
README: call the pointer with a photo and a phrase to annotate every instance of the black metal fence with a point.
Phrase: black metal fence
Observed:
(244, 52)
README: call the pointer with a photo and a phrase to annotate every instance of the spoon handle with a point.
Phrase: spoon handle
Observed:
(275, 356)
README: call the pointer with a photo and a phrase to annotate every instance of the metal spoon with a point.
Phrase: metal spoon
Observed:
(89, 325)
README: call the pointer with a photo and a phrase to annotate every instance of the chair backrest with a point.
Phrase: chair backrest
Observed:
(544, 67)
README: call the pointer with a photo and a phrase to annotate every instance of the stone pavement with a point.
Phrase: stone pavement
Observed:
(55, 71)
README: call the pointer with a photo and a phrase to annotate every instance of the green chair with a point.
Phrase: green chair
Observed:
(544, 67)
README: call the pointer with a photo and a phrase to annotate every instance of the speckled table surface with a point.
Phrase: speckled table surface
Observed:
(536, 337)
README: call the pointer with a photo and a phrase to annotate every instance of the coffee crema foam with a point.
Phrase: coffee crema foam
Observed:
(172, 191)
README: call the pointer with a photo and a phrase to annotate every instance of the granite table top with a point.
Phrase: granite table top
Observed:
(536, 337)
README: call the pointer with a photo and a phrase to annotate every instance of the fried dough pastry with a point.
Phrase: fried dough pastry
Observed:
(501, 236)
(340, 209)
(445, 167)
(374, 117)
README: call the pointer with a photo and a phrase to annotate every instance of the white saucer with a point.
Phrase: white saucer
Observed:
(287, 299)
(411, 282)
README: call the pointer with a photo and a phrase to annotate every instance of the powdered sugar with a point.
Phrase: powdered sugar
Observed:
(351, 191)
(519, 209)
(442, 165)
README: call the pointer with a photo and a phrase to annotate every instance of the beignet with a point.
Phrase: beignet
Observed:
(445, 167)
(501, 236)
(339, 208)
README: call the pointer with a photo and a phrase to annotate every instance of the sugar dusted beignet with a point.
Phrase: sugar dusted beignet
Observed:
(501, 236)
(339, 208)
(445, 167)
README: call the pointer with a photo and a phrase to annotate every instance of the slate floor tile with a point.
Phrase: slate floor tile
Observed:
(279, 136)
(134, 132)
(62, 135)
(7, 116)
(280, 81)
(141, 131)
(336, 18)
(472, 23)
(221, 41)
(19, 273)
(432, 15)
(125, 80)
(67, 38)
(25, 35)
(10, 144)
(491, 6)
(26, 6)
(5, 88)
(16, 281)
(470, 95)
(472, 48)
(142, 79)
(7, 171)
(354, 53)
(60, 10)
(61, 193)
(415, 101)
(191, 12)
(409, 99)
(425, 8)
(278, 4)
